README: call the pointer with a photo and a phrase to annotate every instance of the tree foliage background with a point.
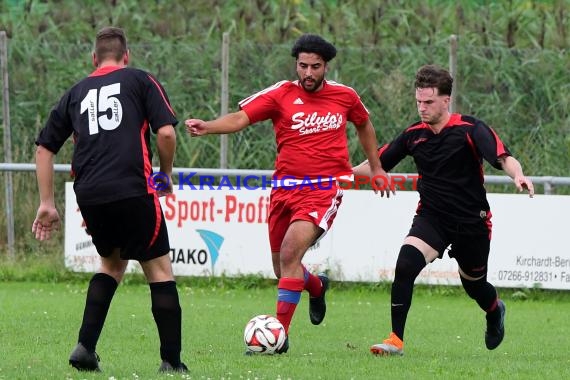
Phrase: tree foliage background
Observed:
(513, 67)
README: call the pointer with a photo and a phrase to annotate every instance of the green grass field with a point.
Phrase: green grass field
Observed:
(39, 324)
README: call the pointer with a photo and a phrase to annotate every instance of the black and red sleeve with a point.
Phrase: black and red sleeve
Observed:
(489, 144)
(392, 153)
(57, 128)
(160, 112)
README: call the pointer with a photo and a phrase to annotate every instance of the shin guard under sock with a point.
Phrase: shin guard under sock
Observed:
(99, 296)
(168, 317)
(289, 294)
(483, 293)
(409, 264)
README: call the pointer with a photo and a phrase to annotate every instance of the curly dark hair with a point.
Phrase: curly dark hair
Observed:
(311, 43)
(432, 76)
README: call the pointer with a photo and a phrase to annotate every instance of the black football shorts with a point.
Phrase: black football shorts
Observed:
(469, 243)
(135, 225)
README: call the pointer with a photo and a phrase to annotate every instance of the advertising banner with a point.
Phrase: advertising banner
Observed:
(224, 231)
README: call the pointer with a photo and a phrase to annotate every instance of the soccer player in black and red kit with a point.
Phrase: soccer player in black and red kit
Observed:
(110, 114)
(448, 150)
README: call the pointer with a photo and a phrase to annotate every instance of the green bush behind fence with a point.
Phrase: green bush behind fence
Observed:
(517, 81)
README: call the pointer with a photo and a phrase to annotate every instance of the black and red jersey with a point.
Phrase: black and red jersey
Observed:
(110, 114)
(450, 165)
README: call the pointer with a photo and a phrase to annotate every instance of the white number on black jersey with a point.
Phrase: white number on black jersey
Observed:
(107, 101)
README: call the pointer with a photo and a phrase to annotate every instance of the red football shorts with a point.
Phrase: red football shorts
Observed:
(315, 204)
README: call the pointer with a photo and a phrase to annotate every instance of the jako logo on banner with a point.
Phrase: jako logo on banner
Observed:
(191, 256)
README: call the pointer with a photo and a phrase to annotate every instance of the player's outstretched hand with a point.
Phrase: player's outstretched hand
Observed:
(196, 127)
(383, 183)
(524, 183)
(47, 220)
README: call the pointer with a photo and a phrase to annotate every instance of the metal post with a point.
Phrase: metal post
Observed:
(7, 142)
(548, 186)
(453, 71)
(224, 97)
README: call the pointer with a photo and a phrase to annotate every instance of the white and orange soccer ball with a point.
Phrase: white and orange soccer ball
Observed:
(264, 334)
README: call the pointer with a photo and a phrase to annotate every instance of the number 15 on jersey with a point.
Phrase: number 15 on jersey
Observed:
(104, 101)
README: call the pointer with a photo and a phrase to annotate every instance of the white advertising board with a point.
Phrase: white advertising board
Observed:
(215, 232)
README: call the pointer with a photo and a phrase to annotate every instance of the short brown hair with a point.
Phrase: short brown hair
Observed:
(432, 76)
(110, 42)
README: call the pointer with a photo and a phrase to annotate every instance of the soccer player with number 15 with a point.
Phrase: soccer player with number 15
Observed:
(110, 115)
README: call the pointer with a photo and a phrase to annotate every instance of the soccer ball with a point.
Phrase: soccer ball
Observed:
(264, 334)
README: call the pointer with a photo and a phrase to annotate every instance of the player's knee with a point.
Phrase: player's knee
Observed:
(114, 267)
(116, 275)
(289, 257)
(410, 262)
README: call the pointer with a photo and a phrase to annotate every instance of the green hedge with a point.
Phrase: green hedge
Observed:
(513, 67)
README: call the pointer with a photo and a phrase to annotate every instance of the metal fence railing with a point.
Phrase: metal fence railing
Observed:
(548, 182)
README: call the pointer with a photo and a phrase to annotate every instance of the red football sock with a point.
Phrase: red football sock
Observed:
(289, 294)
(312, 284)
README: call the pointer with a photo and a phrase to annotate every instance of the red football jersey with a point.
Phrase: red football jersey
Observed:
(310, 127)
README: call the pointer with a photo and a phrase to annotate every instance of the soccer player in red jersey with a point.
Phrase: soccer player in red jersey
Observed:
(309, 117)
(111, 114)
(448, 150)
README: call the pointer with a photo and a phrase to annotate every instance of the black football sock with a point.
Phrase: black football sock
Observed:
(484, 294)
(168, 317)
(99, 296)
(409, 264)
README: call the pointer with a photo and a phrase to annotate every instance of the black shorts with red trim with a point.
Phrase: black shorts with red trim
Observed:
(135, 225)
(468, 243)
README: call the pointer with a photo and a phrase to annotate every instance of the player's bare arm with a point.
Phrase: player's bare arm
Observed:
(166, 147)
(230, 123)
(513, 168)
(47, 218)
(362, 169)
(367, 137)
